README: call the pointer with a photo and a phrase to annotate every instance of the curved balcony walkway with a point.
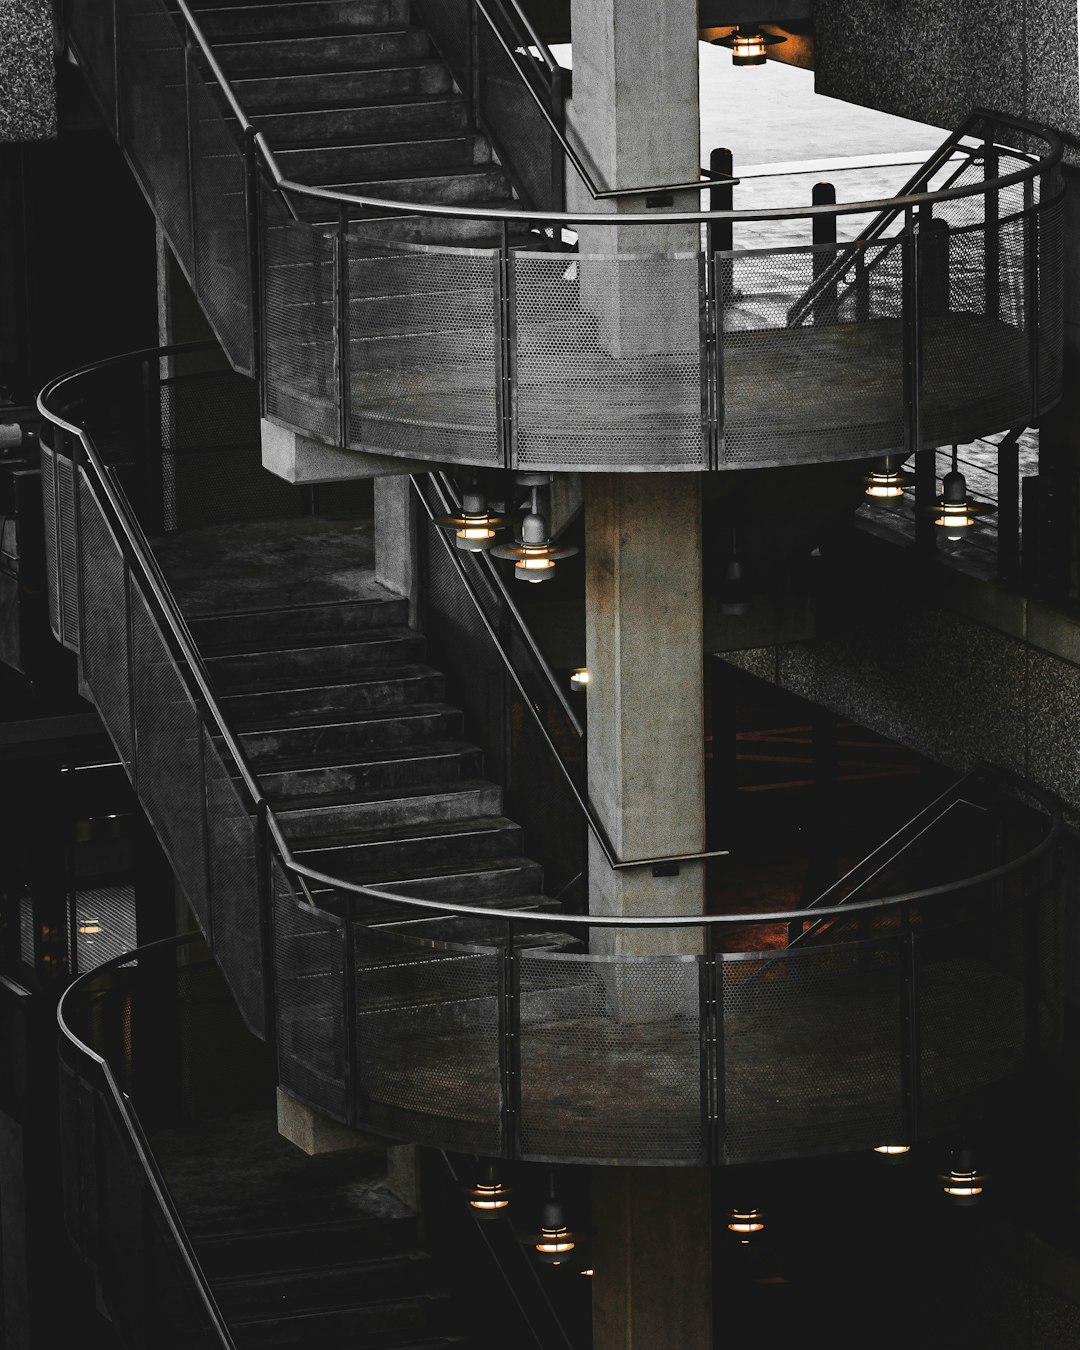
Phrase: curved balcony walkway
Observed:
(384, 318)
(389, 932)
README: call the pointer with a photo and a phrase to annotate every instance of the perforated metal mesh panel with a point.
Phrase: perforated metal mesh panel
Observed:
(831, 388)
(67, 530)
(975, 366)
(222, 278)
(427, 1041)
(169, 757)
(299, 319)
(309, 961)
(1051, 300)
(423, 353)
(233, 863)
(48, 512)
(811, 1050)
(152, 102)
(104, 648)
(609, 361)
(104, 925)
(971, 1010)
(611, 1058)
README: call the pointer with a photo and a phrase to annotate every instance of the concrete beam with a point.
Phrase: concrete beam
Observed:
(315, 1134)
(299, 459)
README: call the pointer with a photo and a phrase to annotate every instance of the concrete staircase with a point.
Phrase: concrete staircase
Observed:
(351, 95)
(365, 765)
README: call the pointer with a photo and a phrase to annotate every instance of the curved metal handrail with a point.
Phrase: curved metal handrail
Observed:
(1041, 165)
(133, 543)
(137, 1135)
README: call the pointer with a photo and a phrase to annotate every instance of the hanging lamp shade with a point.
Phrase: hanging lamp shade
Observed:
(534, 556)
(474, 526)
(955, 511)
(963, 1186)
(744, 1222)
(554, 1243)
(489, 1198)
(886, 481)
(748, 44)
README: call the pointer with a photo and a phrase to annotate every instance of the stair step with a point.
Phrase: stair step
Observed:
(490, 932)
(456, 842)
(493, 881)
(289, 19)
(287, 1291)
(307, 1246)
(391, 688)
(402, 227)
(445, 115)
(229, 632)
(342, 88)
(417, 1314)
(375, 811)
(385, 159)
(435, 762)
(395, 647)
(330, 53)
(375, 729)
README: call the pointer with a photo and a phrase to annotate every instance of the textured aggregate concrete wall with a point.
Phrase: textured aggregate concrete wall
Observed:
(944, 685)
(933, 60)
(27, 71)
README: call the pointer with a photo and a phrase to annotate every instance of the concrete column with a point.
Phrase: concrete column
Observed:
(652, 1252)
(643, 641)
(634, 119)
(395, 537)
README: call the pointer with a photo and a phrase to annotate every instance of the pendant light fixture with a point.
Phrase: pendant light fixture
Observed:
(555, 1241)
(748, 44)
(579, 680)
(474, 526)
(745, 1222)
(534, 555)
(956, 510)
(489, 1198)
(886, 481)
(962, 1184)
(892, 1153)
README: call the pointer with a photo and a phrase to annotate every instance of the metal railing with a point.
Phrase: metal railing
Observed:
(366, 330)
(549, 1036)
(157, 1291)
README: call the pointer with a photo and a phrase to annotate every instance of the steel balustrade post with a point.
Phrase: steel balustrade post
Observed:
(341, 323)
(712, 1053)
(264, 881)
(992, 235)
(510, 1042)
(707, 365)
(118, 116)
(925, 460)
(80, 568)
(504, 403)
(823, 237)
(1031, 295)
(718, 241)
(721, 198)
(1008, 512)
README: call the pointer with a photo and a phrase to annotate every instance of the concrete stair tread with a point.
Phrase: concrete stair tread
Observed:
(325, 721)
(266, 57)
(285, 18)
(486, 870)
(403, 833)
(343, 760)
(323, 123)
(284, 805)
(540, 905)
(421, 1299)
(289, 643)
(437, 104)
(297, 91)
(380, 675)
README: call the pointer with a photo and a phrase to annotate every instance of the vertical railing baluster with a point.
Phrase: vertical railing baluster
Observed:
(504, 350)
(1031, 294)
(264, 882)
(254, 249)
(352, 1075)
(1008, 512)
(193, 218)
(719, 237)
(509, 1051)
(823, 237)
(558, 161)
(118, 114)
(992, 235)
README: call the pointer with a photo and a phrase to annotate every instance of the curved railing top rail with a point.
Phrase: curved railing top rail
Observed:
(1038, 165)
(133, 1126)
(138, 550)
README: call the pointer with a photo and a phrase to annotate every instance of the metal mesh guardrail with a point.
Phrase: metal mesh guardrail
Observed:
(922, 981)
(645, 349)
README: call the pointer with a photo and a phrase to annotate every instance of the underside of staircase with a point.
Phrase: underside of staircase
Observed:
(366, 766)
(352, 95)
